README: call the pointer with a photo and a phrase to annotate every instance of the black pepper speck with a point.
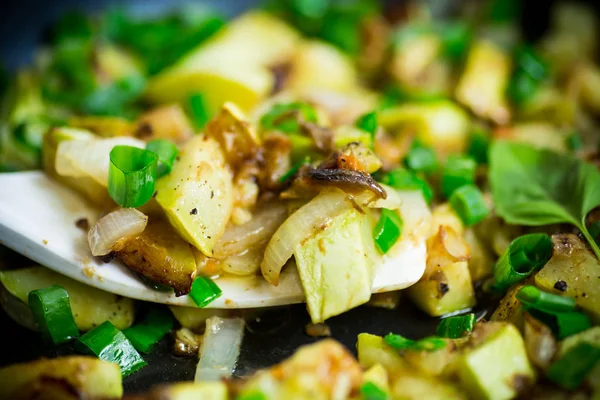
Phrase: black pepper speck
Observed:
(560, 285)
(194, 211)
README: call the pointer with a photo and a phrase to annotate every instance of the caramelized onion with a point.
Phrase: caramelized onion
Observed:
(119, 224)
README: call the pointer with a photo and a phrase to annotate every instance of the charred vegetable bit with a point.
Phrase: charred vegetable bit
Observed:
(458, 171)
(456, 327)
(110, 344)
(403, 179)
(571, 369)
(204, 291)
(469, 204)
(399, 342)
(388, 230)
(51, 309)
(131, 175)
(345, 179)
(144, 335)
(524, 255)
(166, 153)
(371, 391)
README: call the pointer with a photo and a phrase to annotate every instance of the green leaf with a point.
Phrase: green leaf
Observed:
(539, 187)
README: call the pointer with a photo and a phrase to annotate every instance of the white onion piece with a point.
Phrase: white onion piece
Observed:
(220, 348)
(393, 201)
(245, 263)
(119, 224)
(90, 158)
(299, 226)
(254, 233)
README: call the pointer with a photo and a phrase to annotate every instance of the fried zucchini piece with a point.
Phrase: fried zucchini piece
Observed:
(413, 386)
(72, 377)
(336, 265)
(165, 122)
(91, 307)
(187, 391)
(577, 268)
(160, 255)
(510, 309)
(373, 350)
(230, 66)
(441, 124)
(494, 365)
(481, 263)
(197, 196)
(483, 84)
(103, 126)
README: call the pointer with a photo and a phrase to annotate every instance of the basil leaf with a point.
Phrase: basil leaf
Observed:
(539, 187)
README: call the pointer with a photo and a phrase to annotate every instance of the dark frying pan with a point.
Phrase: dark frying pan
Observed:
(23, 24)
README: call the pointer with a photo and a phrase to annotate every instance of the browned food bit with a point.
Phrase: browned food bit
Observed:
(322, 137)
(165, 122)
(347, 180)
(160, 255)
(318, 330)
(277, 150)
(83, 223)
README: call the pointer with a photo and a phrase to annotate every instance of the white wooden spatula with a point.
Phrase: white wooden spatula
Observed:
(38, 216)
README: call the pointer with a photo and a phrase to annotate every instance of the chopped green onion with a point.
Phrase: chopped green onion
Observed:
(131, 175)
(529, 73)
(574, 142)
(284, 117)
(570, 370)
(368, 123)
(151, 330)
(533, 297)
(459, 170)
(524, 255)
(421, 159)
(478, 148)
(253, 395)
(197, 110)
(371, 391)
(167, 153)
(426, 344)
(294, 169)
(456, 37)
(562, 324)
(110, 344)
(388, 230)
(469, 204)
(51, 309)
(113, 98)
(204, 290)
(403, 179)
(456, 327)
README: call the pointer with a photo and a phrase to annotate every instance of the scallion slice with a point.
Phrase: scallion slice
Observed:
(562, 324)
(131, 175)
(197, 110)
(252, 395)
(570, 370)
(421, 159)
(524, 255)
(144, 335)
(51, 309)
(371, 391)
(110, 344)
(456, 327)
(399, 342)
(368, 123)
(574, 142)
(166, 152)
(478, 148)
(204, 290)
(459, 170)
(469, 204)
(531, 296)
(388, 230)
(403, 179)
(284, 117)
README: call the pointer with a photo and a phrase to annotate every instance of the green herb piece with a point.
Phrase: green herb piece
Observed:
(456, 327)
(574, 142)
(113, 99)
(368, 123)
(570, 370)
(456, 37)
(539, 187)
(151, 330)
(533, 297)
(51, 310)
(131, 175)
(197, 110)
(458, 171)
(403, 179)
(371, 391)
(524, 255)
(167, 153)
(110, 344)
(530, 72)
(284, 117)
(478, 147)
(204, 291)
(388, 230)
(426, 344)
(421, 159)
(469, 204)
(294, 169)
